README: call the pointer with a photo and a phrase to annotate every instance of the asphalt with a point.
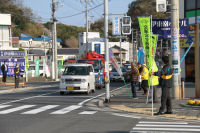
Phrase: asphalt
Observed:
(122, 101)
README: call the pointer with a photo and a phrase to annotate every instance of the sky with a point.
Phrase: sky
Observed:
(67, 8)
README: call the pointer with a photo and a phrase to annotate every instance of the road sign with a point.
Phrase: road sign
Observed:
(161, 5)
(116, 26)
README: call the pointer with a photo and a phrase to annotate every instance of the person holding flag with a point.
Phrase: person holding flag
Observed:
(134, 73)
(145, 77)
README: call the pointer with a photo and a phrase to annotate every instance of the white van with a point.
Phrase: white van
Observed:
(77, 78)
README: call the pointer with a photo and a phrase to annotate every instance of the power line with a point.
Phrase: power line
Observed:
(80, 12)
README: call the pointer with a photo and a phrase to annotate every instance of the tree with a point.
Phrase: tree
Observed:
(72, 42)
(139, 8)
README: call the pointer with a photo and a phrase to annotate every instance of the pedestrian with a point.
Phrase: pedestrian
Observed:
(145, 77)
(17, 75)
(140, 77)
(134, 73)
(4, 70)
(166, 84)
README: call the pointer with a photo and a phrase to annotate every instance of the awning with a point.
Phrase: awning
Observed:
(37, 52)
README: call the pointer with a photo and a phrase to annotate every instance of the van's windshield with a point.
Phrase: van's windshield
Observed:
(76, 70)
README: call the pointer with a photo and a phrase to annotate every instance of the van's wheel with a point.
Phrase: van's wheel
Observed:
(62, 93)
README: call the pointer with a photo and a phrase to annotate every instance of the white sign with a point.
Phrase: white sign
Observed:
(161, 5)
(5, 19)
(116, 26)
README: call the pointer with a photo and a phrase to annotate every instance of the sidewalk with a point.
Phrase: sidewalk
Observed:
(121, 101)
(27, 86)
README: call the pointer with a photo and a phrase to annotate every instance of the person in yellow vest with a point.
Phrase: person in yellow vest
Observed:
(145, 77)
(154, 82)
(17, 74)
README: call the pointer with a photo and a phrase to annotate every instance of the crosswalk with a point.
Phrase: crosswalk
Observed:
(34, 109)
(157, 127)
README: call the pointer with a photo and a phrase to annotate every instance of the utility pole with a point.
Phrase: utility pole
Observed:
(175, 47)
(86, 14)
(120, 50)
(54, 42)
(107, 84)
(197, 91)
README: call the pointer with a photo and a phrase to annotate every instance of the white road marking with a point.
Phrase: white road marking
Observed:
(186, 126)
(166, 129)
(67, 109)
(4, 106)
(66, 96)
(125, 115)
(88, 112)
(155, 122)
(41, 109)
(15, 109)
(27, 98)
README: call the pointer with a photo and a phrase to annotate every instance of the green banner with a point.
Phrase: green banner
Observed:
(60, 62)
(154, 45)
(145, 29)
(26, 64)
(37, 63)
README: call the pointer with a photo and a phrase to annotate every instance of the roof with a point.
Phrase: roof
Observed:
(38, 52)
(118, 48)
(67, 51)
(79, 64)
(25, 36)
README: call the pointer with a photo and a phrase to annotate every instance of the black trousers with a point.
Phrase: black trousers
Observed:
(16, 82)
(4, 77)
(144, 85)
(166, 100)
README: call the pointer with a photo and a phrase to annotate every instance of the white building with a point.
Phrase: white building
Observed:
(5, 32)
(96, 44)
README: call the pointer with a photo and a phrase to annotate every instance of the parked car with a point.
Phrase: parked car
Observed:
(78, 78)
(31, 71)
(114, 75)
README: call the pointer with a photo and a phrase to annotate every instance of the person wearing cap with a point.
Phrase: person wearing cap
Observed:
(166, 85)
(145, 77)
(134, 73)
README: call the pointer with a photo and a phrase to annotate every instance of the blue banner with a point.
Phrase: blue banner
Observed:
(141, 55)
(116, 26)
(12, 53)
(11, 65)
(162, 27)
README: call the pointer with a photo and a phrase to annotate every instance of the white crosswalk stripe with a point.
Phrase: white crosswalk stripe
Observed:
(165, 126)
(41, 109)
(15, 109)
(25, 109)
(87, 112)
(4, 106)
(67, 109)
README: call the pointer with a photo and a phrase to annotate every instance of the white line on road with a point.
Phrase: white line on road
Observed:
(41, 109)
(125, 115)
(28, 98)
(87, 112)
(155, 122)
(67, 109)
(4, 106)
(166, 129)
(66, 96)
(15, 109)
(149, 125)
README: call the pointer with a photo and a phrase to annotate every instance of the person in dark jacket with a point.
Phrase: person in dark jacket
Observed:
(4, 70)
(134, 73)
(166, 85)
(17, 75)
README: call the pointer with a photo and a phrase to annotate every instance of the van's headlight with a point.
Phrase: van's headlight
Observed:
(83, 80)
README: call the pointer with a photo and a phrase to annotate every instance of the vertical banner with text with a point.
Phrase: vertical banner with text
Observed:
(37, 63)
(145, 29)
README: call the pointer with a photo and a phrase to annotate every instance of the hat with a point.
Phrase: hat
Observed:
(144, 64)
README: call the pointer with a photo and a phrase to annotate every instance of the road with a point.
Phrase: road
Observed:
(43, 110)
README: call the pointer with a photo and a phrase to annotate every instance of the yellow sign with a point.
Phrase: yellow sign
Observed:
(70, 88)
(185, 42)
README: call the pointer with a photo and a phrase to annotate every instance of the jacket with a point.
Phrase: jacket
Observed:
(145, 73)
(16, 72)
(134, 73)
(166, 76)
(3, 69)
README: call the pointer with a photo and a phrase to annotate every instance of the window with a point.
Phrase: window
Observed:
(76, 70)
(190, 4)
(198, 3)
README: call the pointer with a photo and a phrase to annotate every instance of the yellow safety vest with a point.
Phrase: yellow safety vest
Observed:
(145, 74)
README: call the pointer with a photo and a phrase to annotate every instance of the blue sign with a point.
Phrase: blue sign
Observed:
(141, 55)
(11, 64)
(12, 53)
(162, 27)
(116, 26)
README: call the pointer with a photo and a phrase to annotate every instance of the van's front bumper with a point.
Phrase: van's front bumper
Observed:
(83, 87)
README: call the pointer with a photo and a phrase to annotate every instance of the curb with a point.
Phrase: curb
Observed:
(190, 106)
(13, 90)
